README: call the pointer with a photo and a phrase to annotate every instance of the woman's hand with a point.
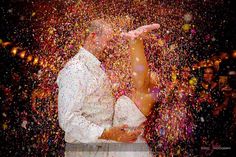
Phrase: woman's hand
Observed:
(140, 31)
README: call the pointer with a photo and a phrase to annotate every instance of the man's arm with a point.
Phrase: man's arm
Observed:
(71, 97)
(120, 134)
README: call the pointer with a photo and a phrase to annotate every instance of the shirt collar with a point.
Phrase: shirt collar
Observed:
(90, 58)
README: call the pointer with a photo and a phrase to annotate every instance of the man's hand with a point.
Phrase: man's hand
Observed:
(121, 134)
(129, 136)
(140, 31)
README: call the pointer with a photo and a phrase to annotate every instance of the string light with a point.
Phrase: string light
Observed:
(41, 63)
(22, 54)
(14, 51)
(44, 64)
(36, 59)
(29, 58)
(5, 44)
(234, 54)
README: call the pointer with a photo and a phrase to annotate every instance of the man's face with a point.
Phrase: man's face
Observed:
(103, 39)
(208, 75)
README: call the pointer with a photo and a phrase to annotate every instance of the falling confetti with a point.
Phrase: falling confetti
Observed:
(189, 31)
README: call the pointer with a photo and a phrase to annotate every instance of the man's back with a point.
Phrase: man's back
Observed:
(84, 89)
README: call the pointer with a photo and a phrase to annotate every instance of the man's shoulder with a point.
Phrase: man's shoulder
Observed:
(73, 67)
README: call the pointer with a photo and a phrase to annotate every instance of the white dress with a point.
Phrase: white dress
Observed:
(126, 112)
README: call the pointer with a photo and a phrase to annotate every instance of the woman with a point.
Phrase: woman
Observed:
(134, 114)
(172, 107)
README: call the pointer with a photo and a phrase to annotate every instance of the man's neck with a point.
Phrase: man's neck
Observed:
(92, 50)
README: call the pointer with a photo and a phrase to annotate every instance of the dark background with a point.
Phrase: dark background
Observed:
(217, 17)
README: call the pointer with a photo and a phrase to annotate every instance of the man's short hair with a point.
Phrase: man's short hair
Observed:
(98, 26)
(116, 23)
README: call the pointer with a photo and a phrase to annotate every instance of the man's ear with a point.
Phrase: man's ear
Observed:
(91, 37)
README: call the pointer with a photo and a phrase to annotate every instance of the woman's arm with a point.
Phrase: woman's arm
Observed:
(139, 67)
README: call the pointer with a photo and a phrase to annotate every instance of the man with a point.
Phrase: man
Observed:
(85, 100)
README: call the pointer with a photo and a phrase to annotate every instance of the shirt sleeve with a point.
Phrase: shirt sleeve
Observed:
(72, 93)
(126, 112)
(137, 114)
